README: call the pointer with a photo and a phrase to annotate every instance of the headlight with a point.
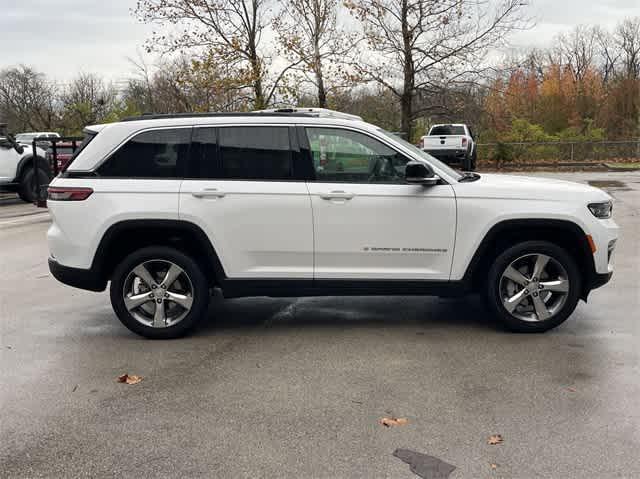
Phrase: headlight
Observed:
(601, 210)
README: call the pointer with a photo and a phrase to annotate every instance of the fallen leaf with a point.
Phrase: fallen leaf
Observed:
(494, 439)
(126, 378)
(572, 390)
(394, 421)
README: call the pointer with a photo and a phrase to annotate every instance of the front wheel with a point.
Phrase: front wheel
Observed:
(159, 292)
(533, 286)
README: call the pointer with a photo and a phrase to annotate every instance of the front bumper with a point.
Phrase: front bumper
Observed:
(600, 279)
(76, 277)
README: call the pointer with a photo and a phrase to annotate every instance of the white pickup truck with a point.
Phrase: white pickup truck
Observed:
(16, 167)
(451, 143)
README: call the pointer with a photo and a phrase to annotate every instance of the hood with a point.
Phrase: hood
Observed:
(493, 185)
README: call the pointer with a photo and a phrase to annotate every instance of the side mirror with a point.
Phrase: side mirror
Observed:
(417, 173)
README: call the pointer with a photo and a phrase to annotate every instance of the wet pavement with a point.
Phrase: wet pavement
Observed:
(296, 387)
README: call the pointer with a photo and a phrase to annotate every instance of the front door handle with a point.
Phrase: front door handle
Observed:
(337, 195)
(208, 193)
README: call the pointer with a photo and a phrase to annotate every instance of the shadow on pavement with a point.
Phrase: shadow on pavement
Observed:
(347, 312)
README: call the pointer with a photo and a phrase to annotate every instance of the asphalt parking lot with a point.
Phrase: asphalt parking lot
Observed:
(295, 387)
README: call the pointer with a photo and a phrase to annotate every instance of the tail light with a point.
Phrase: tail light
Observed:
(61, 193)
(464, 142)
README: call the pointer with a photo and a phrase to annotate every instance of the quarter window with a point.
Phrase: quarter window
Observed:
(151, 154)
(352, 157)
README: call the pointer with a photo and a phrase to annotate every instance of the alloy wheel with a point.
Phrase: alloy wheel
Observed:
(158, 293)
(534, 287)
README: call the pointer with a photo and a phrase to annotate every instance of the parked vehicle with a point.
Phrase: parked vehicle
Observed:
(27, 138)
(63, 152)
(16, 167)
(452, 144)
(308, 203)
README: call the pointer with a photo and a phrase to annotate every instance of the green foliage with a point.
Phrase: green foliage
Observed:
(503, 153)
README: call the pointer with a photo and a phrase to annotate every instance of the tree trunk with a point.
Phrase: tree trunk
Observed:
(406, 98)
(259, 102)
(406, 112)
(317, 67)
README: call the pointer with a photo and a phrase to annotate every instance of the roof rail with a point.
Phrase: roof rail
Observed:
(304, 112)
(159, 116)
(319, 112)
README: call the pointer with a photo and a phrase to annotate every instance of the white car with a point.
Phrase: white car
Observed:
(17, 173)
(308, 203)
(451, 143)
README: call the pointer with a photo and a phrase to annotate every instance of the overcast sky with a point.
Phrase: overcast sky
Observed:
(63, 37)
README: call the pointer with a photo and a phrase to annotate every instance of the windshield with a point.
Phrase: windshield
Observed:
(422, 154)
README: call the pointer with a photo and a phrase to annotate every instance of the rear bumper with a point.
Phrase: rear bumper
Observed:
(448, 154)
(76, 277)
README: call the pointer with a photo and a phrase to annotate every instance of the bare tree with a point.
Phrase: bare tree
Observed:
(578, 50)
(27, 99)
(419, 46)
(310, 37)
(87, 99)
(627, 39)
(227, 31)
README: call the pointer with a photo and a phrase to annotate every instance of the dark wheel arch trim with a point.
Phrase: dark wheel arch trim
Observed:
(591, 280)
(96, 277)
(99, 260)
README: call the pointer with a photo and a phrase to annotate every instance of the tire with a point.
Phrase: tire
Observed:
(188, 286)
(467, 163)
(538, 303)
(27, 190)
(474, 159)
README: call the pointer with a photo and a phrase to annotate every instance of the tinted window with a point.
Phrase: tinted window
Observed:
(444, 130)
(349, 156)
(152, 154)
(255, 153)
(203, 154)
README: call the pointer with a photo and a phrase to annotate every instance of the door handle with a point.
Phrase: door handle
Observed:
(208, 193)
(339, 194)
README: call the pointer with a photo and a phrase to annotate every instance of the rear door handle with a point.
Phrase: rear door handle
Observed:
(208, 193)
(339, 194)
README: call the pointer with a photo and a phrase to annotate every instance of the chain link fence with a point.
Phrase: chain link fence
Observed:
(561, 151)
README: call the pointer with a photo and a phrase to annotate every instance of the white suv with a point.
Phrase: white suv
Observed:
(309, 203)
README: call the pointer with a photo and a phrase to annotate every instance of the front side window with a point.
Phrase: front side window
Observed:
(255, 153)
(151, 154)
(353, 157)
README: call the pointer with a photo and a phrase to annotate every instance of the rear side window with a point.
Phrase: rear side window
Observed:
(444, 130)
(204, 151)
(151, 154)
(255, 153)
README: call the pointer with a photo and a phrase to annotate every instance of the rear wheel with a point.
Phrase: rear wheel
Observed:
(533, 286)
(474, 160)
(159, 293)
(27, 190)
